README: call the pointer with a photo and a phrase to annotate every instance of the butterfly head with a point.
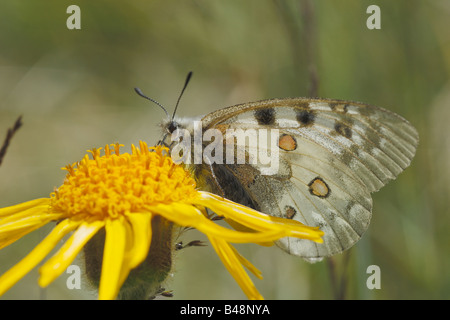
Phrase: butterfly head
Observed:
(170, 125)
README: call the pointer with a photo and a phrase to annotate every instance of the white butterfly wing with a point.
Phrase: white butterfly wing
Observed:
(332, 155)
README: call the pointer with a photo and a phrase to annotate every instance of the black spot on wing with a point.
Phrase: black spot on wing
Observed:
(343, 130)
(289, 212)
(265, 116)
(339, 107)
(305, 117)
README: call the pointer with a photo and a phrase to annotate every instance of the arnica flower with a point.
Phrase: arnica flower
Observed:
(122, 209)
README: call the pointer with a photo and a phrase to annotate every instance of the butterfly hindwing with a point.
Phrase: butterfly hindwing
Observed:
(322, 192)
(332, 155)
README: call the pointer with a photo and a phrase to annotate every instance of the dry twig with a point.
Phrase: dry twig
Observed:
(9, 135)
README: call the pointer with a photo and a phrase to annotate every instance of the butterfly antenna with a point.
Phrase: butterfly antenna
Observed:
(139, 92)
(188, 78)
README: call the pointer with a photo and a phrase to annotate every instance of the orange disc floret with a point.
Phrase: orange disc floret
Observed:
(115, 184)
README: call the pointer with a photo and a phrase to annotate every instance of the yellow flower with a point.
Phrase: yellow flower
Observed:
(133, 200)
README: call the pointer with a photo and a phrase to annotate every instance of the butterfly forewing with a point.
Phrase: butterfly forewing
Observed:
(332, 155)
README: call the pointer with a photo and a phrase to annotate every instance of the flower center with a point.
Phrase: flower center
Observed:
(115, 184)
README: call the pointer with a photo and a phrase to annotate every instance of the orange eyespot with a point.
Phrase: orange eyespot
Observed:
(319, 188)
(287, 142)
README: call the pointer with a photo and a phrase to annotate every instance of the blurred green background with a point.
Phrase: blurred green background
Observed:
(74, 89)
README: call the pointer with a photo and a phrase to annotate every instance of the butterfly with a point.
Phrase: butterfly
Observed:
(331, 155)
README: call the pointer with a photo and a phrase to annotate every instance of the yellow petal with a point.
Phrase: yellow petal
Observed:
(257, 220)
(247, 263)
(24, 206)
(14, 274)
(113, 254)
(18, 225)
(7, 238)
(142, 236)
(239, 227)
(188, 216)
(67, 253)
(139, 236)
(248, 217)
(232, 263)
(13, 223)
